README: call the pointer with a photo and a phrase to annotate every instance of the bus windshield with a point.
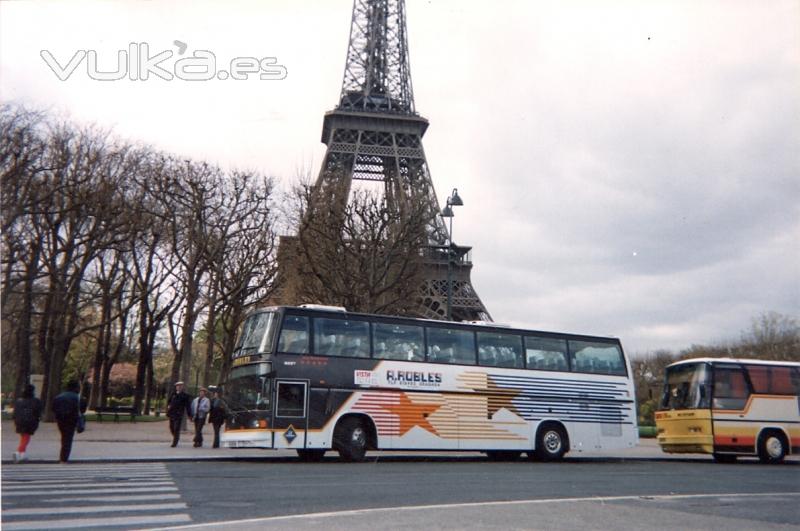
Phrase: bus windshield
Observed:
(249, 387)
(256, 335)
(687, 387)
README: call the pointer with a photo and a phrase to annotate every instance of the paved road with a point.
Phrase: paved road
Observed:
(402, 493)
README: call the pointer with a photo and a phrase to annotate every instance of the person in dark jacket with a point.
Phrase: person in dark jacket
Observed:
(68, 408)
(27, 413)
(179, 403)
(217, 415)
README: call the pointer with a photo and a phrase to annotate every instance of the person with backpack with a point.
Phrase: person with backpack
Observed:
(27, 413)
(217, 414)
(68, 408)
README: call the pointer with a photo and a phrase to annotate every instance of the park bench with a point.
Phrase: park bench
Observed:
(117, 411)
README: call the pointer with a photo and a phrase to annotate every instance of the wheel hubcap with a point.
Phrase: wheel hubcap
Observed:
(359, 437)
(774, 447)
(552, 441)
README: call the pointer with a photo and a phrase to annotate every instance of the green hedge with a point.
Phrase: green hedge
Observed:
(647, 432)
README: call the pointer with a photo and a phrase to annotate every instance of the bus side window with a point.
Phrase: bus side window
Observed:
(596, 357)
(759, 377)
(294, 335)
(398, 342)
(782, 383)
(499, 350)
(341, 337)
(451, 346)
(546, 354)
(730, 388)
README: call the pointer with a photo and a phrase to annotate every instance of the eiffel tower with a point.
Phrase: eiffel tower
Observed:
(375, 134)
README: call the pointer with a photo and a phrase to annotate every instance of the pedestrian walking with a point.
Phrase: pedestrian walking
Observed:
(68, 408)
(178, 404)
(200, 408)
(27, 413)
(217, 414)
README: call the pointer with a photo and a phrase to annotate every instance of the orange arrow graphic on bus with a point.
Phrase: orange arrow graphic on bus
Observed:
(411, 414)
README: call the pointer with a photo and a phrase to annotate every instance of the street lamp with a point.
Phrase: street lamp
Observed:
(447, 212)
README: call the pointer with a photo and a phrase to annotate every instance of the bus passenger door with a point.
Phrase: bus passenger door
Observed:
(291, 413)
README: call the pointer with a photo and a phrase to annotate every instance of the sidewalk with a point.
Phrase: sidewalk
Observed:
(150, 441)
(120, 441)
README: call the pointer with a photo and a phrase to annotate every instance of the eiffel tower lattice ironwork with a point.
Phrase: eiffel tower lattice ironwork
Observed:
(375, 134)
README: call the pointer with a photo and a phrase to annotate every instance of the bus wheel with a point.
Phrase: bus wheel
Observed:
(771, 447)
(350, 439)
(724, 458)
(311, 456)
(551, 442)
(503, 455)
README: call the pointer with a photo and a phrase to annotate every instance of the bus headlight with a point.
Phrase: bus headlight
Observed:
(254, 423)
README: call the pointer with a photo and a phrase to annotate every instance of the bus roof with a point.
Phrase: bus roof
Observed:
(735, 360)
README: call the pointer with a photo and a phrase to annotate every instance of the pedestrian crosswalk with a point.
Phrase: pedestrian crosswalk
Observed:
(102, 495)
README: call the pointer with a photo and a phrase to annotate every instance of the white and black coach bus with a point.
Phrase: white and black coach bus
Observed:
(315, 378)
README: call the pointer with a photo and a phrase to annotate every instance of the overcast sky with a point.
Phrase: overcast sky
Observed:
(627, 168)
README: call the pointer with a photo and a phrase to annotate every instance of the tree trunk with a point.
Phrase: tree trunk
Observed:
(210, 341)
(24, 333)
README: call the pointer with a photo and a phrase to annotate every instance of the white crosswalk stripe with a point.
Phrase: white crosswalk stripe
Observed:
(125, 496)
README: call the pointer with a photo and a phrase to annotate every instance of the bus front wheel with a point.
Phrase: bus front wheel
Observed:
(551, 442)
(350, 439)
(771, 447)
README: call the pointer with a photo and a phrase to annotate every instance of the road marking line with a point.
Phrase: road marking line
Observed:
(93, 522)
(18, 482)
(57, 467)
(61, 492)
(95, 509)
(89, 485)
(136, 497)
(359, 512)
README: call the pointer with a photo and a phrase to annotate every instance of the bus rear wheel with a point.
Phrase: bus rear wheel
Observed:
(350, 439)
(771, 447)
(551, 442)
(311, 456)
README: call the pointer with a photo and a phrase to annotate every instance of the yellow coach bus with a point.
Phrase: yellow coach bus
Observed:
(731, 407)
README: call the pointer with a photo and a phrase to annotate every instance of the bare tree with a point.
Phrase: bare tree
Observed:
(82, 217)
(111, 279)
(773, 336)
(241, 261)
(21, 150)
(365, 256)
(192, 194)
